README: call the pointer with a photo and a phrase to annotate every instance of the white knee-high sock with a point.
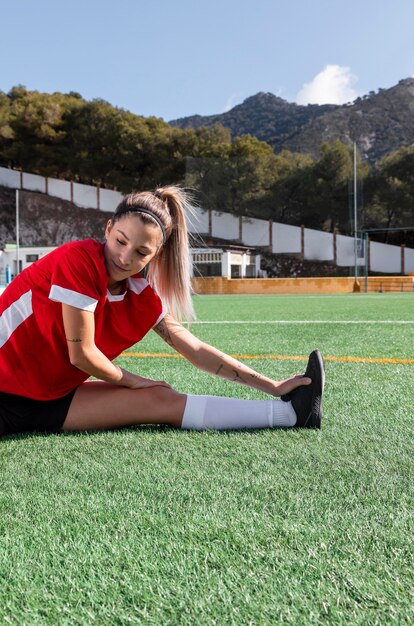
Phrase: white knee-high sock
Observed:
(215, 412)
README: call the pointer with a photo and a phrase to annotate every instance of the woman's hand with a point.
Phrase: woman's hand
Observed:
(147, 382)
(290, 384)
(133, 381)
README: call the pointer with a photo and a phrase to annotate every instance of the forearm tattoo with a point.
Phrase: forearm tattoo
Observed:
(74, 340)
(256, 375)
(237, 376)
(162, 330)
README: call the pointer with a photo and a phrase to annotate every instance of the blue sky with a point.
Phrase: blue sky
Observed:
(173, 58)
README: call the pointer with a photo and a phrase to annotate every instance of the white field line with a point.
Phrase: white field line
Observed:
(302, 322)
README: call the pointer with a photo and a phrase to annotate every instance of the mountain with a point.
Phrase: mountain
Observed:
(379, 122)
(265, 116)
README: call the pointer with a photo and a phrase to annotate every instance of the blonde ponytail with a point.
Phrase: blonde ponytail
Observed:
(169, 271)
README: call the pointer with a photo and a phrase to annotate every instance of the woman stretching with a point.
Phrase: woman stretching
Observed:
(70, 314)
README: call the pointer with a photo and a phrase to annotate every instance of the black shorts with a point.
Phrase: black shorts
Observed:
(19, 415)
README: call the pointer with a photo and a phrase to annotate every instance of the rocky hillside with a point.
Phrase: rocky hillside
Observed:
(379, 122)
(47, 221)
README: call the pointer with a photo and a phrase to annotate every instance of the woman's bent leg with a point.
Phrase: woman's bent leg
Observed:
(99, 406)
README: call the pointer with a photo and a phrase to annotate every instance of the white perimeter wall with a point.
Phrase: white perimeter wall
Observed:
(345, 252)
(224, 225)
(9, 178)
(255, 232)
(318, 245)
(109, 200)
(385, 258)
(198, 223)
(85, 196)
(409, 260)
(286, 238)
(33, 182)
(59, 188)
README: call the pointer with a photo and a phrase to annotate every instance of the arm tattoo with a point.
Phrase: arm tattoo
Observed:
(162, 330)
(237, 378)
(256, 375)
(74, 340)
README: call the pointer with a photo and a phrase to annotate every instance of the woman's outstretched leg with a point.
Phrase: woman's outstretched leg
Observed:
(99, 405)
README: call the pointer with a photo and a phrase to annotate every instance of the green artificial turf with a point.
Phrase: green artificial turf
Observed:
(153, 525)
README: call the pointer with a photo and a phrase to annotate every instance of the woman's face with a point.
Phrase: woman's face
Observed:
(130, 246)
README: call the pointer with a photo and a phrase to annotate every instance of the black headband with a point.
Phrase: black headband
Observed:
(139, 209)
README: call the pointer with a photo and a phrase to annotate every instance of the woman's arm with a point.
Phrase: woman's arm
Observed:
(79, 328)
(209, 359)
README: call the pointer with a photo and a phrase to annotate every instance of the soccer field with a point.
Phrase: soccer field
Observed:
(157, 526)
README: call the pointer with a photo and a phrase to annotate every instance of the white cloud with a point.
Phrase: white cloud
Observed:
(334, 85)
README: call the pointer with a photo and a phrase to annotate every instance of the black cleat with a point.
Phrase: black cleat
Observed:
(307, 400)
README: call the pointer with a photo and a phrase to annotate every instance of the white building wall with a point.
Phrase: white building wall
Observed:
(286, 238)
(243, 265)
(318, 245)
(32, 182)
(409, 260)
(255, 232)
(224, 225)
(59, 188)
(257, 263)
(385, 258)
(226, 264)
(8, 257)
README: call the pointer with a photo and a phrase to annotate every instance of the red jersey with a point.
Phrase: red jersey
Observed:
(34, 356)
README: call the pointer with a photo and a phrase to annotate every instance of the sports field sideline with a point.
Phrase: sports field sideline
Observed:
(157, 526)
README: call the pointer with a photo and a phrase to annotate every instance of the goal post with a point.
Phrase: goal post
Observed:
(400, 285)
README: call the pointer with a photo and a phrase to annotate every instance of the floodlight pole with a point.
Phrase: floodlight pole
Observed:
(356, 283)
(365, 238)
(17, 232)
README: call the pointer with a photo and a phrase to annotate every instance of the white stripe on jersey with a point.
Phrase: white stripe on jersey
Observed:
(15, 315)
(73, 298)
(137, 284)
(111, 298)
(161, 317)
